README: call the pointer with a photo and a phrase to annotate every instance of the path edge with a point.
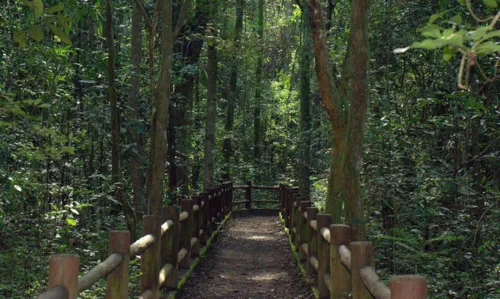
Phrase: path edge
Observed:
(196, 262)
(295, 257)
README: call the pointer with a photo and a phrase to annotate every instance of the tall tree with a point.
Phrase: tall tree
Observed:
(115, 125)
(161, 91)
(304, 159)
(257, 134)
(345, 103)
(135, 152)
(208, 160)
(233, 91)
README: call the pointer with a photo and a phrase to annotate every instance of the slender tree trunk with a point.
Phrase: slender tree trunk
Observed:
(136, 152)
(159, 121)
(208, 171)
(334, 103)
(232, 95)
(305, 111)
(115, 125)
(357, 118)
(257, 138)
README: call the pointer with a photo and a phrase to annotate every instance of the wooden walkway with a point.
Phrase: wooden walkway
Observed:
(251, 259)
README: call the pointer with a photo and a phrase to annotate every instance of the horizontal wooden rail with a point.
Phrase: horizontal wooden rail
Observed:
(98, 272)
(139, 246)
(159, 245)
(343, 267)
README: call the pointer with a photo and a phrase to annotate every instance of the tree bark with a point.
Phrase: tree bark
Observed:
(159, 120)
(357, 118)
(305, 110)
(232, 95)
(257, 138)
(208, 170)
(115, 124)
(136, 152)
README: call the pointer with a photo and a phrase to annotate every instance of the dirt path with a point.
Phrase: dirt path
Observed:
(251, 259)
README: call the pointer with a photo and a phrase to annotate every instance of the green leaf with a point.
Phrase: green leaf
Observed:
(20, 37)
(480, 32)
(74, 211)
(434, 17)
(37, 6)
(18, 188)
(448, 53)
(35, 33)
(490, 3)
(55, 8)
(60, 34)
(431, 31)
(71, 221)
(457, 19)
(487, 48)
(44, 106)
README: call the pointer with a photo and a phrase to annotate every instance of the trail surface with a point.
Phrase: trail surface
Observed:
(250, 259)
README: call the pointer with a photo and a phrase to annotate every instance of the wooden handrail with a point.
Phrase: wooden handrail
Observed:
(345, 256)
(164, 272)
(148, 294)
(166, 226)
(139, 246)
(325, 232)
(342, 266)
(373, 283)
(57, 292)
(314, 225)
(102, 270)
(183, 216)
(182, 254)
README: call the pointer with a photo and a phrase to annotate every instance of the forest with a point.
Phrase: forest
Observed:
(385, 113)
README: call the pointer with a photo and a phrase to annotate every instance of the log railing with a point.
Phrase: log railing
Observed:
(248, 194)
(342, 266)
(169, 240)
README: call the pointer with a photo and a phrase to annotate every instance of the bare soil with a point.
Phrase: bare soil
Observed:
(250, 259)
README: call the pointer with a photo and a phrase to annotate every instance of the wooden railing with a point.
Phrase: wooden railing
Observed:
(248, 195)
(342, 266)
(168, 243)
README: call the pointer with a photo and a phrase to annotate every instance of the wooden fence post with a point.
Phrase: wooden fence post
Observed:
(150, 259)
(311, 242)
(231, 193)
(324, 221)
(408, 287)
(170, 244)
(303, 236)
(187, 227)
(293, 215)
(195, 250)
(361, 255)
(248, 196)
(204, 217)
(340, 234)
(288, 208)
(63, 271)
(117, 281)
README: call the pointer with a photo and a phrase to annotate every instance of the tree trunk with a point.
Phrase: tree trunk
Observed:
(232, 95)
(305, 110)
(208, 170)
(257, 139)
(115, 125)
(357, 117)
(136, 152)
(159, 121)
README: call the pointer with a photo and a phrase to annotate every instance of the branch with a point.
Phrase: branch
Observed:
(144, 13)
(186, 6)
(469, 7)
